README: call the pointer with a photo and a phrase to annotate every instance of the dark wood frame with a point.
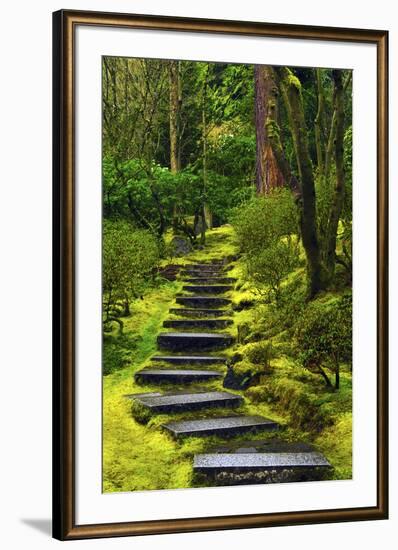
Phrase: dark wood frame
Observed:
(64, 24)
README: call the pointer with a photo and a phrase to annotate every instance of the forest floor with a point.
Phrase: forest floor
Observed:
(141, 456)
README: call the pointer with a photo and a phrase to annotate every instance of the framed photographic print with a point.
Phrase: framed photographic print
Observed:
(220, 274)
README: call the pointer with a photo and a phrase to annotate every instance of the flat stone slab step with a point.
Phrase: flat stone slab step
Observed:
(258, 461)
(212, 302)
(137, 395)
(190, 359)
(191, 341)
(207, 289)
(197, 323)
(203, 272)
(265, 446)
(199, 312)
(190, 401)
(210, 280)
(224, 427)
(175, 375)
(212, 265)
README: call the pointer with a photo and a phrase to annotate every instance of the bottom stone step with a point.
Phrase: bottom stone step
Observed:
(175, 375)
(224, 427)
(252, 467)
(189, 401)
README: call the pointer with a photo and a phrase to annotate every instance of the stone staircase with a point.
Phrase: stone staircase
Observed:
(200, 326)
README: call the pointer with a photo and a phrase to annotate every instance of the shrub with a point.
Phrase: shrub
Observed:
(129, 258)
(267, 229)
(260, 353)
(117, 351)
(324, 337)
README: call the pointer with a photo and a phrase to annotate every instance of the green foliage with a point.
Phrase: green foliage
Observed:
(129, 259)
(116, 352)
(324, 336)
(266, 229)
(232, 154)
(260, 353)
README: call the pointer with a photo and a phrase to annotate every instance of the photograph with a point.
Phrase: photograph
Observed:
(227, 255)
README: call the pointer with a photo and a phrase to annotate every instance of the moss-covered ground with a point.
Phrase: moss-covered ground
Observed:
(139, 455)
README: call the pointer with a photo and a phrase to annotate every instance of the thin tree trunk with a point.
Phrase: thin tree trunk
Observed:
(318, 122)
(174, 114)
(338, 194)
(204, 154)
(332, 134)
(325, 376)
(337, 377)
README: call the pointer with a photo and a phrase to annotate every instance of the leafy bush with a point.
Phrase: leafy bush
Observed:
(129, 258)
(267, 229)
(117, 351)
(260, 353)
(324, 337)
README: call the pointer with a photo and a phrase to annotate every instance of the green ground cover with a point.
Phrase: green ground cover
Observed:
(139, 455)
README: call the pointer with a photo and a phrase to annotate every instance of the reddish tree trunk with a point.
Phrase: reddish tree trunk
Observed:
(268, 175)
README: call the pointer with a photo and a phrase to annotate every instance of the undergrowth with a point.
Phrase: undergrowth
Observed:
(138, 454)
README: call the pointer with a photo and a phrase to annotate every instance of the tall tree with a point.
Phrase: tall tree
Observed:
(174, 86)
(339, 188)
(320, 251)
(291, 92)
(318, 122)
(268, 173)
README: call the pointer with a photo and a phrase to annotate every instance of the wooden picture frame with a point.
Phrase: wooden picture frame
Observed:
(65, 24)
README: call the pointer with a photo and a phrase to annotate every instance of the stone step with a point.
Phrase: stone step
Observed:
(190, 401)
(212, 302)
(190, 359)
(210, 280)
(224, 427)
(210, 266)
(202, 272)
(193, 341)
(175, 375)
(199, 312)
(207, 289)
(207, 324)
(254, 462)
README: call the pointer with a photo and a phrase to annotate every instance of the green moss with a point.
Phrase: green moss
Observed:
(292, 80)
(272, 129)
(336, 444)
(140, 455)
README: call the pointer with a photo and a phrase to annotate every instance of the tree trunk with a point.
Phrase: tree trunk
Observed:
(268, 174)
(204, 158)
(318, 122)
(291, 91)
(338, 194)
(337, 377)
(332, 134)
(174, 114)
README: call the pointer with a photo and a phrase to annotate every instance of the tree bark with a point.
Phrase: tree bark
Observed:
(174, 114)
(318, 122)
(204, 159)
(332, 134)
(268, 174)
(338, 194)
(291, 92)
